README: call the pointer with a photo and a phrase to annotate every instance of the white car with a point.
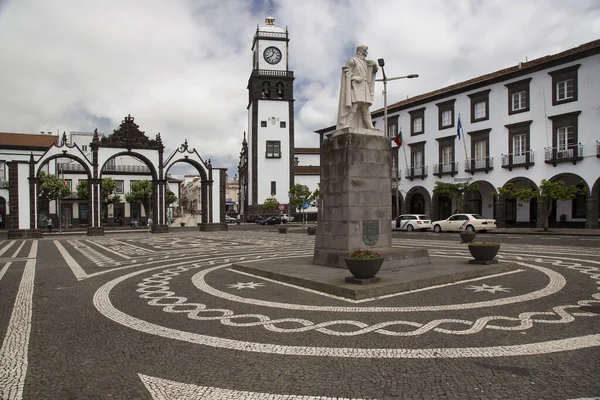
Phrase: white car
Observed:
(411, 222)
(465, 222)
(287, 217)
(230, 220)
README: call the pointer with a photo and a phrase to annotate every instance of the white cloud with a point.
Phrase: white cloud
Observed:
(181, 67)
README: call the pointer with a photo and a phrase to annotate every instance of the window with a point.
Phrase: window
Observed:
(279, 90)
(480, 150)
(273, 149)
(120, 187)
(446, 114)
(519, 144)
(2, 171)
(266, 90)
(69, 183)
(282, 124)
(518, 96)
(392, 126)
(447, 155)
(417, 159)
(564, 85)
(273, 188)
(565, 135)
(263, 124)
(84, 147)
(480, 105)
(417, 121)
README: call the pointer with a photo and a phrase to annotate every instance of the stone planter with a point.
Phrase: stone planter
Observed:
(467, 237)
(484, 253)
(364, 268)
(311, 230)
(282, 229)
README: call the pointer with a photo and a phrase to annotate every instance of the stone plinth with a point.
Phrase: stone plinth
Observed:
(24, 234)
(95, 231)
(211, 227)
(355, 205)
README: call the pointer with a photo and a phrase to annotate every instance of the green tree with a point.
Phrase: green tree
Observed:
(545, 194)
(316, 195)
(52, 188)
(141, 191)
(108, 189)
(171, 197)
(271, 204)
(298, 195)
(456, 191)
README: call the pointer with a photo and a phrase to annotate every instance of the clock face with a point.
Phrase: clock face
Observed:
(272, 55)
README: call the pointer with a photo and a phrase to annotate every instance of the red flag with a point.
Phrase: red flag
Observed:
(398, 139)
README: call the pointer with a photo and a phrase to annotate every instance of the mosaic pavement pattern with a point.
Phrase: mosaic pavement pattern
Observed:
(165, 317)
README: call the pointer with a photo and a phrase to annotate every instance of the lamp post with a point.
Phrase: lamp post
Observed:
(385, 80)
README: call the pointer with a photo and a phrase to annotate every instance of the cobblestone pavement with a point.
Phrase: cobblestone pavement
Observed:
(164, 317)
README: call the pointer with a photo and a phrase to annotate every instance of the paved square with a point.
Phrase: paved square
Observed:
(166, 317)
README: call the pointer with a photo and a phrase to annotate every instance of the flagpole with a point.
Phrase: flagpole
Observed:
(461, 133)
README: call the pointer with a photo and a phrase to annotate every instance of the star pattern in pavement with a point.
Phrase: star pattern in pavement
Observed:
(247, 285)
(488, 288)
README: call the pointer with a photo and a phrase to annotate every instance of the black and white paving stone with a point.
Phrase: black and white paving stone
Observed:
(165, 317)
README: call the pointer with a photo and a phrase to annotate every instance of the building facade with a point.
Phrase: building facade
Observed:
(532, 121)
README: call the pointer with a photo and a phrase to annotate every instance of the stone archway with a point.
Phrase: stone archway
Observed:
(593, 207)
(571, 212)
(417, 201)
(512, 211)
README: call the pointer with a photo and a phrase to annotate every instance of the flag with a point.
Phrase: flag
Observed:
(458, 128)
(398, 139)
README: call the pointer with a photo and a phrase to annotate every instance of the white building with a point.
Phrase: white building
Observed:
(268, 156)
(532, 121)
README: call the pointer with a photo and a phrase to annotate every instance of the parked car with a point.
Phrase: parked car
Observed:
(410, 222)
(287, 217)
(465, 222)
(274, 220)
(254, 218)
(230, 219)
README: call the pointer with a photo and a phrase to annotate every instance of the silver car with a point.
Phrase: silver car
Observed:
(411, 222)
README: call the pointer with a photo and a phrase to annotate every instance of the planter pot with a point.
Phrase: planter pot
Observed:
(484, 252)
(467, 237)
(311, 230)
(365, 268)
(182, 223)
(282, 229)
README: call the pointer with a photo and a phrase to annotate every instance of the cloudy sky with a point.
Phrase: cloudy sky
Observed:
(181, 67)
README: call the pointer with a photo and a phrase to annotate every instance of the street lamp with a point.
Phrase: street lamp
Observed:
(385, 80)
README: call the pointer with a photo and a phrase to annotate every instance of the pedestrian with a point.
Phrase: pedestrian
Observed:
(49, 224)
(149, 222)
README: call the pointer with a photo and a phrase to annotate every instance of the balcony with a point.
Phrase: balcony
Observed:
(512, 160)
(71, 167)
(416, 172)
(473, 165)
(572, 153)
(445, 169)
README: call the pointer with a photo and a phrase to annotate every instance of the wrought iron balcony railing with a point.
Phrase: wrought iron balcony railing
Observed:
(445, 169)
(512, 160)
(572, 153)
(473, 165)
(416, 172)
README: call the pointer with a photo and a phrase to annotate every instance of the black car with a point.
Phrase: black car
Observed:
(274, 220)
(254, 218)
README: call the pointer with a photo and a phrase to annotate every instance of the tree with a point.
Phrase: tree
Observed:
(171, 197)
(52, 188)
(298, 195)
(141, 191)
(457, 191)
(545, 194)
(271, 204)
(107, 192)
(315, 196)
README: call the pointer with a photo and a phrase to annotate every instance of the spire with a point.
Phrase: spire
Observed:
(244, 141)
(270, 21)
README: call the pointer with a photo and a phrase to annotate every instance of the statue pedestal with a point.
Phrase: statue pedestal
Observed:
(355, 209)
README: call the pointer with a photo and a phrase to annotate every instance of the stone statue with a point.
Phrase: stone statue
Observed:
(356, 92)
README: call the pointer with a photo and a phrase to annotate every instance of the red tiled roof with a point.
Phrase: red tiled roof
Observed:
(27, 141)
(307, 170)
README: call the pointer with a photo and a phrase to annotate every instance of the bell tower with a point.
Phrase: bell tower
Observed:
(270, 118)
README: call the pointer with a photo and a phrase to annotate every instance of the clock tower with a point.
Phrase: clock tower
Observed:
(270, 151)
